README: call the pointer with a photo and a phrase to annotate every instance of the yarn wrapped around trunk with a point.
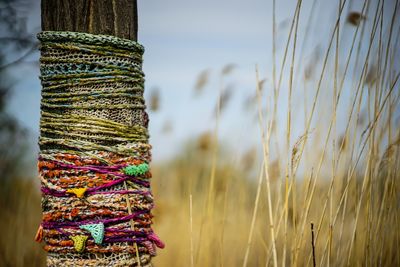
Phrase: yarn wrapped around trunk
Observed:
(94, 152)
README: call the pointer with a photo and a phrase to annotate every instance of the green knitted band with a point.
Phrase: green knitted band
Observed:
(88, 38)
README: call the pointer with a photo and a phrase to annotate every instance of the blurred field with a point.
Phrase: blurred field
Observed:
(321, 187)
(327, 155)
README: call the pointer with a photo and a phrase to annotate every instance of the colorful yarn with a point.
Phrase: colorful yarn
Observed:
(94, 152)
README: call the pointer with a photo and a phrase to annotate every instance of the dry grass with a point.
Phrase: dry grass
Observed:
(19, 219)
(336, 171)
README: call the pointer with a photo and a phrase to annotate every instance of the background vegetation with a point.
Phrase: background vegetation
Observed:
(321, 184)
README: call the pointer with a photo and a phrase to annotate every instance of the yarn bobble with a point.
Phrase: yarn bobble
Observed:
(135, 170)
(79, 242)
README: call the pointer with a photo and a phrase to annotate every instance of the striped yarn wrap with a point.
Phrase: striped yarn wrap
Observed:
(94, 152)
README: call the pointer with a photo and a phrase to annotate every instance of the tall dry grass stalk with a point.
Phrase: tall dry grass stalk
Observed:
(339, 169)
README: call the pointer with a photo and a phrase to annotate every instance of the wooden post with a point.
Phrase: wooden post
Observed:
(109, 17)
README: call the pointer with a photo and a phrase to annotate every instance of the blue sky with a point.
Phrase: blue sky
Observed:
(183, 38)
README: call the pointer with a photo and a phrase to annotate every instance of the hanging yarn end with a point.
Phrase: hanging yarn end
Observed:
(157, 241)
(39, 234)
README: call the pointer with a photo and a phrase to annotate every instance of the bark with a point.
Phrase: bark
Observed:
(110, 17)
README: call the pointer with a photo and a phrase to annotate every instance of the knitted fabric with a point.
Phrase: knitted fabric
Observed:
(96, 230)
(94, 152)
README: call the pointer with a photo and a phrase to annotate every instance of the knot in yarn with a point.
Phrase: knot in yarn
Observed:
(96, 230)
(79, 242)
(135, 170)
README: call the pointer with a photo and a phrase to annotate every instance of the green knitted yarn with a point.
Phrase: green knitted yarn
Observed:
(92, 97)
(135, 170)
(104, 42)
(89, 127)
(96, 230)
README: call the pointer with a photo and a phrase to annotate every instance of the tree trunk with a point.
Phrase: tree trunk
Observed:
(109, 17)
(94, 150)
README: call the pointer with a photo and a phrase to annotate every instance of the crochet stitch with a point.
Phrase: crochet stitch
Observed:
(79, 242)
(94, 152)
(96, 230)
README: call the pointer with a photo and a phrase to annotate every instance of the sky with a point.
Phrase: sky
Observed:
(184, 38)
